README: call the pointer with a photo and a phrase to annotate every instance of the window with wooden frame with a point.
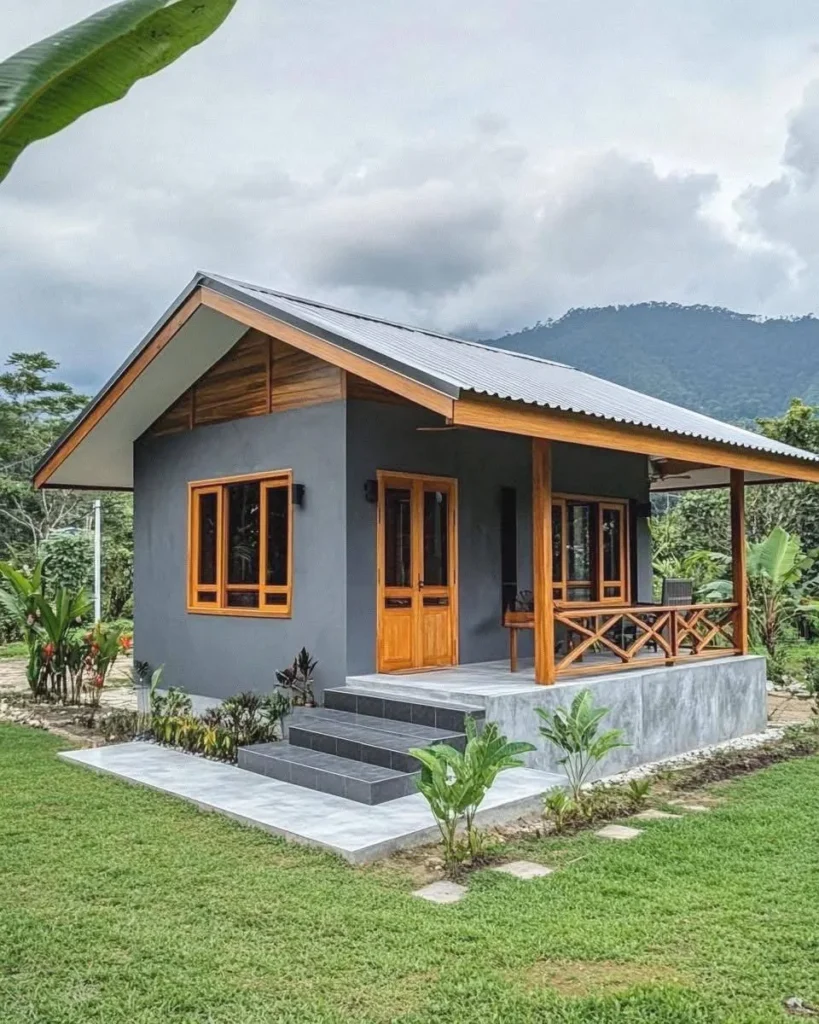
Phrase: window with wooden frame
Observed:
(240, 545)
(590, 550)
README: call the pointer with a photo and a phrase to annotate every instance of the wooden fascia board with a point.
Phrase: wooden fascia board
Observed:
(330, 353)
(515, 418)
(109, 398)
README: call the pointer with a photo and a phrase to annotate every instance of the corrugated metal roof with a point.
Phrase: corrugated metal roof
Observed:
(454, 365)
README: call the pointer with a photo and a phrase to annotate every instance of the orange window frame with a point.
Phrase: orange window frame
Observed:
(561, 587)
(221, 588)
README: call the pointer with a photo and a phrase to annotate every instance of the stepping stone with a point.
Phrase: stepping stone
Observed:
(524, 869)
(697, 808)
(652, 814)
(441, 892)
(618, 832)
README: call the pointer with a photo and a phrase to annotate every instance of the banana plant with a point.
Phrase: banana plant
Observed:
(49, 85)
(779, 587)
(454, 784)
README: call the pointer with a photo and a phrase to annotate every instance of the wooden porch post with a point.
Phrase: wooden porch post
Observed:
(542, 561)
(738, 559)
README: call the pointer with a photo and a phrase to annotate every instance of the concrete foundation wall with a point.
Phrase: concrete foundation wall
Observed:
(218, 655)
(662, 711)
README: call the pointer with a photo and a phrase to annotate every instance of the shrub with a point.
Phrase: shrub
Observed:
(576, 732)
(239, 721)
(638, 791)
(454, 784)
(298, 678)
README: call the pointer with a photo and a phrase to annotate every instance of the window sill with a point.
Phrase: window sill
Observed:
(253, 613)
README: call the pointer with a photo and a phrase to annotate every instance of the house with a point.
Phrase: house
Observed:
(397, 501)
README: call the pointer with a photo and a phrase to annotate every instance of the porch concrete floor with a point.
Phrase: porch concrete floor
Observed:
(354, 831)
(492, 678)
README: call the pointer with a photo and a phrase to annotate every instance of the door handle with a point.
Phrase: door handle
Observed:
(420, 584)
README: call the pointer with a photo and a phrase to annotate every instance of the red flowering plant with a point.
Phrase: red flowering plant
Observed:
(98, 650)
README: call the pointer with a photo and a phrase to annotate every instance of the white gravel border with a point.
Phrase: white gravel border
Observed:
(757, 739)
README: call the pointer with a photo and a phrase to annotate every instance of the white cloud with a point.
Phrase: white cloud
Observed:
(472, 166)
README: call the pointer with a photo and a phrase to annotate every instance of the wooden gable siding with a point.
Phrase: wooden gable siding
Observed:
(237, 385)
(366, 391)
(300, 379)
(176, 418)
(258, 375)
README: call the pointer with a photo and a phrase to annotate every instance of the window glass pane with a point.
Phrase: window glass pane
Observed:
(557, 544)
(611, 592)
(278, 510)
(243, 598)
(612, 534)
(272, 599)
(579, 593)
(206, 596)
(436, 538)
(207, 538)
(579, 542)
(243, 533)
(397, 535)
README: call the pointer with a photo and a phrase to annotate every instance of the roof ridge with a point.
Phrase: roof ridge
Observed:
(383, 320)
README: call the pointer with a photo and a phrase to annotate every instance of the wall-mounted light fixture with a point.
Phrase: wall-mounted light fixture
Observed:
(371, 491)
(299, 490)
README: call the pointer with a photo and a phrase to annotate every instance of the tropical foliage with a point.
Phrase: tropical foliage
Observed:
(51, 525)
(576, 734)
(64, 661)
(49, 85)
(239, 721)
(298, 680)
(454, 784)
(780, 588)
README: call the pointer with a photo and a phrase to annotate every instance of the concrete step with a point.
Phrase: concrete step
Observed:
(378, 741)
(327, 773)
(434, 714)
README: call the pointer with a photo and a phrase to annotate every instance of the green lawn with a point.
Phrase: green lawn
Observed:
(120, 905)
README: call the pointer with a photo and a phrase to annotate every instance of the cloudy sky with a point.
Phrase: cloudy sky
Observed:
(469, 164)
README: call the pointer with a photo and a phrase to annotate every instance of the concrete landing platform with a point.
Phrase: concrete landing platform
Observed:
(357, 832)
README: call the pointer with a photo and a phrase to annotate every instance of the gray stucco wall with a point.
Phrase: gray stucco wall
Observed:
(386, 437)
(216, 655)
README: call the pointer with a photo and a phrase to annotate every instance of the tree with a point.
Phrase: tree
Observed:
(34, 411)
(49, 85)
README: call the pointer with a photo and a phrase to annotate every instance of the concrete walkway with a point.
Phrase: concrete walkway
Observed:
(354, 831)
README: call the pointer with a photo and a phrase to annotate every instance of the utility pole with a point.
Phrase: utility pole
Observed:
(97, 560)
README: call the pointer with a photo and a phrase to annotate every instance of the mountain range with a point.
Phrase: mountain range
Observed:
(734, 366)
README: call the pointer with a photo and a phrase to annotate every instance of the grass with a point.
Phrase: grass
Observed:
(121, 905)
(14, 650)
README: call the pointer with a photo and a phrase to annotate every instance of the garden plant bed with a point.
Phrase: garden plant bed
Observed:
(164, 914)
(677, 787)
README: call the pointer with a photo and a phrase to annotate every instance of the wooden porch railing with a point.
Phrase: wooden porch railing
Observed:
(644, 634)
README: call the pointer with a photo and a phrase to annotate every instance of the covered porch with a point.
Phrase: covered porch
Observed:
(582, 610)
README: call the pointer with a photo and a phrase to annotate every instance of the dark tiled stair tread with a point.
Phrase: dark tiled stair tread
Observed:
(310, 717)
(402, 698)
(393, 739)
(284, 751)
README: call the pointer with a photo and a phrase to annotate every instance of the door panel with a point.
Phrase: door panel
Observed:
(417, 585)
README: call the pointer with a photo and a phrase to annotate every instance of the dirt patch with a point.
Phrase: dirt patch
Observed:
(727, 764)
(577, 978)
(789, 708)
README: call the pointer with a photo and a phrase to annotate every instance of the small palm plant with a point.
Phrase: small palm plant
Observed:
(576, 732)
(455, 784)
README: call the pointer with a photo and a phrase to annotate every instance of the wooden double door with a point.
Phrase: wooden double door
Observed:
(417, 572)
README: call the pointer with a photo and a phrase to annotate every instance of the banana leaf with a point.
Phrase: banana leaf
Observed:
(47, 86)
